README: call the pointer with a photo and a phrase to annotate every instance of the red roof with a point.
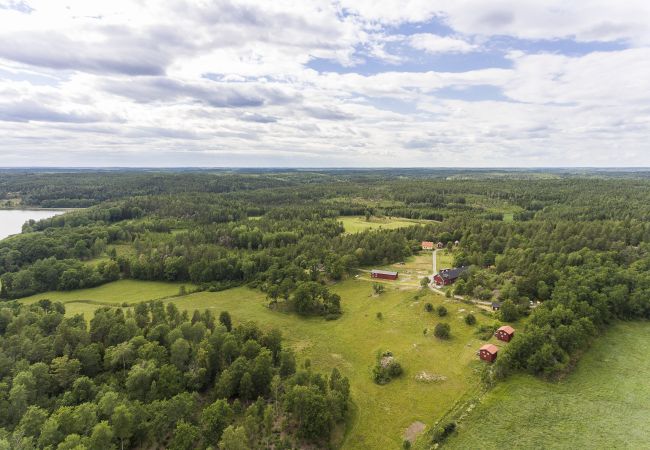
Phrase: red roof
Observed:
(507, 328)
(491, 348)
(427, 244)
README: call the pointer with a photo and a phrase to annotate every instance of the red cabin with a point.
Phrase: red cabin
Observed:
(505, 333)
(385, 274)
(427, 245)
(488, 352)
(448, 276)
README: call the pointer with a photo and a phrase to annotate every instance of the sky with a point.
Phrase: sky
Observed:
(346, 83)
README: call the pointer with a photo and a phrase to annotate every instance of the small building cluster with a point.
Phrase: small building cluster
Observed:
(384, 274)
(448, 276)
(489, 352)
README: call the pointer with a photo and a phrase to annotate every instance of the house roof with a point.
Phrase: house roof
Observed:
(507, 328)
(427, 244)
(490, 348)
(384, 272)
(452, 273)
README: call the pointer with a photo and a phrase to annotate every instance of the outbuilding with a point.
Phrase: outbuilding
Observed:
(385, 274)
(440, 245)
(427, 245)
(505, 333)
(488, 352)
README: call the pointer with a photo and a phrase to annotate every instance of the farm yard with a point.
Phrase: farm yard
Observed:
(436, 372)
(603, 404)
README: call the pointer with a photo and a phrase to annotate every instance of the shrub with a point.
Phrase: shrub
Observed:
(378, 288)
(428, 307)
(470, 319)
(442, 331)
(440, 434)
(380, 316)
(442, 311)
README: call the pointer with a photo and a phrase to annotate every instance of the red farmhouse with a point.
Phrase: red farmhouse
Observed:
(488, 352)
(427, 245)
(505, 333)
(448, 276)
(385, 274)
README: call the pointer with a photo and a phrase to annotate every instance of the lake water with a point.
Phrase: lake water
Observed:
(12, 220)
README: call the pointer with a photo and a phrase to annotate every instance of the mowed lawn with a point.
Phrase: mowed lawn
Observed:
(603, 404)
(356, 224)
(382, 412)
(85, 301)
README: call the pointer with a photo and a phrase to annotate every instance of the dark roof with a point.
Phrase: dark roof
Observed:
(452, 273)
(384, 272)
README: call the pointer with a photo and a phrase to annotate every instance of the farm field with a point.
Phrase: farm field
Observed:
(85, 301)
(382, 413)
(356, 224)
(603, 404)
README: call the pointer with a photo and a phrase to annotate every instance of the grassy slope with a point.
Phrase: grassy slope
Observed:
(85, 301)
(604, 404)
(350, 343)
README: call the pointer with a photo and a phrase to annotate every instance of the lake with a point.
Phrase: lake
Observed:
(12, 220)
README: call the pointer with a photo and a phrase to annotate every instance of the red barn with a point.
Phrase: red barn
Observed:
(427, 245)
(448, 276)
(488, 352)
(385, 274)
(505, 333)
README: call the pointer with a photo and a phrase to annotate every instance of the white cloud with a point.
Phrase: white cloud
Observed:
(432, 43)
(228, 83)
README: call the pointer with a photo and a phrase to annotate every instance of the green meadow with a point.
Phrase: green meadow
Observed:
(381, 414)
(356, 224)
(603, 404)
(85, 301)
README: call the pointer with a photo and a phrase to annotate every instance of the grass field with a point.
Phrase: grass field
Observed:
(603, 404)
(355, 224)
(350, 343)
(382, 412)
(85, 301)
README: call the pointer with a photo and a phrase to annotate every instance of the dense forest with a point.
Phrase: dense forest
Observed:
(569, 252)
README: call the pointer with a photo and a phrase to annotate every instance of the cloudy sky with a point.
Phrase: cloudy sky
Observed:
(325, 83)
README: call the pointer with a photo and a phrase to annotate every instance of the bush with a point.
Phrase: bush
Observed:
(442, 331)
(440, 434)
(428, 307)
(378, 288)
(442, 311)
(380, 316)
(470, 319)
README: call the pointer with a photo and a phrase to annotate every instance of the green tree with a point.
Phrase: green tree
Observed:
(214, 420)
(186, 436)
(225, 320)
(442, 331)
(234, 439)
(123, 423)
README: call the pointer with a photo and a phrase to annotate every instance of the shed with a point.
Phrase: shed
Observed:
(488, 352)
(385, 274)
(505, 333)
(427, 245)
(496, 306)
(440, 245)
